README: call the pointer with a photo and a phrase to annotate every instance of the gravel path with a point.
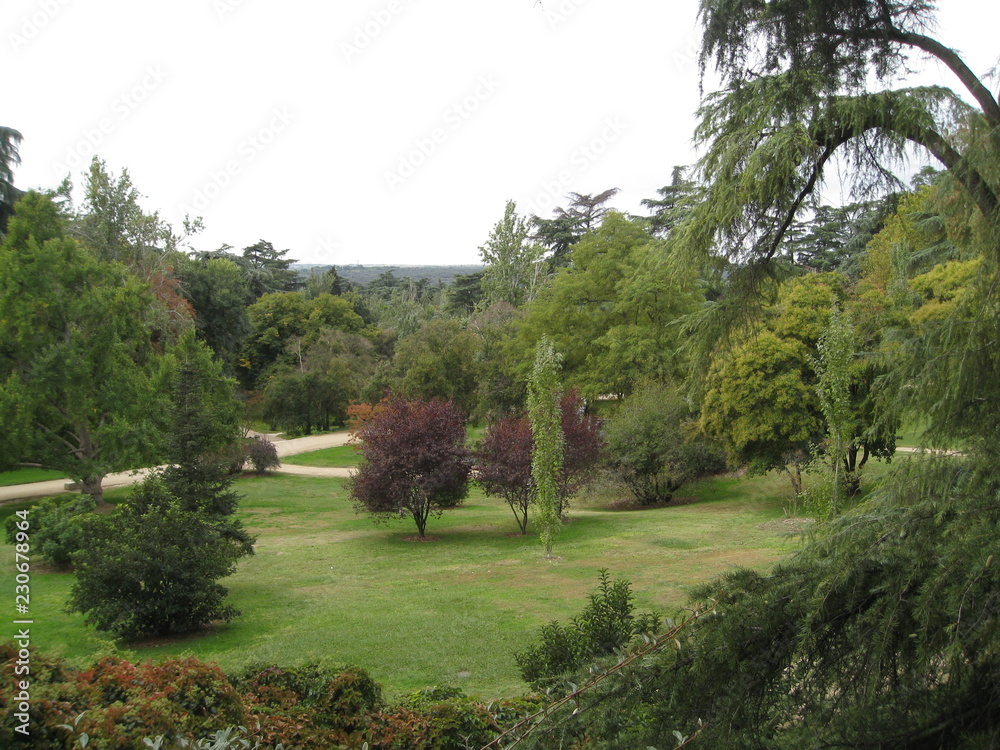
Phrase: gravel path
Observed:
(285, 448)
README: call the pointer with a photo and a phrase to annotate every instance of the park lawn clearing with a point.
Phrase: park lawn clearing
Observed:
(326, 583)
(338, 457)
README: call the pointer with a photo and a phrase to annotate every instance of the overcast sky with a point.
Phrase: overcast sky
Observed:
(384, 131)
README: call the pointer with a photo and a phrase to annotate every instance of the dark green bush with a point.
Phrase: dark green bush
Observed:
(55, 527)
(606, 625)
(654, 448)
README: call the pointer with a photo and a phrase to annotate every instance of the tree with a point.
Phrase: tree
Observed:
(653, 445)
(583, 447)
(760, 403)
(503, 465)
(204, 436)
(504, 458)
(674, 204)
(268, 271)
(512, 264)
(285, 324)
(152, 567)
(80, 380)
(10, 140)
(325, 281)
(544, 392)
(833, 367)
(304, 400)
(559, 234)
(834, 238)
(794, 95)
(441, 360)
(116, 228)
(413, 461)
(614, 313)
(218, 293)
(465, 293)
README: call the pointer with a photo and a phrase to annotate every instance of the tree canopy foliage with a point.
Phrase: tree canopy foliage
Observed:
(82, 383)
(414, 461)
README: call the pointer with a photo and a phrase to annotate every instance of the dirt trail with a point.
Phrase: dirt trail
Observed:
(285, 448)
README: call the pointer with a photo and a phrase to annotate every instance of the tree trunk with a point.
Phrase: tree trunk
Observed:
(794, 472)
(93, 486)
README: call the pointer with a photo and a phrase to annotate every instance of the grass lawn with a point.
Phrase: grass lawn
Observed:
(26, 476)
(326, 583)
(340, 456)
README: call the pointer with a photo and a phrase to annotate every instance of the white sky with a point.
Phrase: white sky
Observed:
(383, 131)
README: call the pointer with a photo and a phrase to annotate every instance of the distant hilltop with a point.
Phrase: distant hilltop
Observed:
(359, 274)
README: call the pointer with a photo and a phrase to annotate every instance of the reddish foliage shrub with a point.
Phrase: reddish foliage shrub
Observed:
(304, 708)
(309, 706)
(442, 718)
(358, 415)
(124, 702)
(414, 461)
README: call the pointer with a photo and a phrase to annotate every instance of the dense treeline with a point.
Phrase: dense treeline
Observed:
(741, 320)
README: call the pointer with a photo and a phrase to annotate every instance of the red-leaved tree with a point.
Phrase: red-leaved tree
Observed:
(503, 461)
(503, 465)
(583, 447)
(413, 461)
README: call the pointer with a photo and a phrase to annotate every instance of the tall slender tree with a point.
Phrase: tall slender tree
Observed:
(544, 394)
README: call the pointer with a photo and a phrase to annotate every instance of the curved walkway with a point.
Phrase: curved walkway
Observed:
(285, 448)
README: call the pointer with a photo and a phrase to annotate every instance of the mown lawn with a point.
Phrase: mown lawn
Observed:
(26, 476)
(340, 456)
(327, 583)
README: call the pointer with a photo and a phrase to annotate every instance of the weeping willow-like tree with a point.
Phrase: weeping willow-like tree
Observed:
(804, 84)
(884, 630)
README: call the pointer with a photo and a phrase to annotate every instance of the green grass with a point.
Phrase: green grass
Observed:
(327, 583)
(341, 456)
(27, 476)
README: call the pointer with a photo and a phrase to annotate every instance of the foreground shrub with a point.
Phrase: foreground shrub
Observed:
(116, 703)
(605, 625)
(310, 706)
(443, 718)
